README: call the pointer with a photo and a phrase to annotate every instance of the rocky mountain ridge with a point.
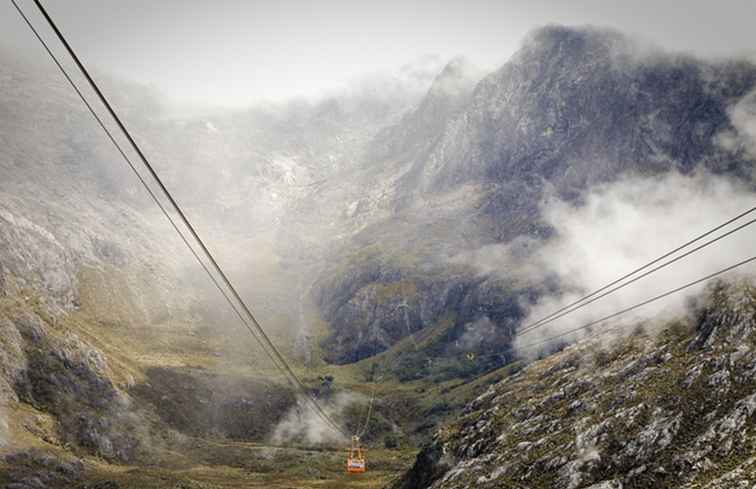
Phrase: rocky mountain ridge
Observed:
(668, 410)
(574, 108)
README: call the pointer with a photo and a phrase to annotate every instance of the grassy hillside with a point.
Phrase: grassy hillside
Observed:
(201, 406)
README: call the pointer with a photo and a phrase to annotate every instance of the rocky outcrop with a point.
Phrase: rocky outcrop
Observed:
(668, 411)
(374, 305)
(34, 259)
(419, 129)
(60, 374)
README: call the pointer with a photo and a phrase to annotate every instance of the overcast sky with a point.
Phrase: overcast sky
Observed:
(234, 53)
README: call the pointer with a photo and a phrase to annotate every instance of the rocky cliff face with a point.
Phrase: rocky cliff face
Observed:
(418, 130)
(376, 304)
(574, 108)
(673, 410)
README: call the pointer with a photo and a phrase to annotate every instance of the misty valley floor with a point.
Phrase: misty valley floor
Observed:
(176, 459)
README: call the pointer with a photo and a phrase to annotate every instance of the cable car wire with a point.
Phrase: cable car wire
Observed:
(638, 305)
(568, 310)
(123, 154)
(643, 267)
(583, 301)
(261, 336)
(540, 343)
(365, 425)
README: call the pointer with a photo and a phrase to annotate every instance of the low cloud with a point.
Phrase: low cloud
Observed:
(624, 225)
(615, 229)
(743, 120)
(476, 333)
(302, 425)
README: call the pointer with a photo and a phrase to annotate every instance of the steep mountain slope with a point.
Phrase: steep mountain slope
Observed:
(69, 202)
(67, 210)
(577, 106)
(418, 130)
(673, 410)
(574, 108)
(113, 348)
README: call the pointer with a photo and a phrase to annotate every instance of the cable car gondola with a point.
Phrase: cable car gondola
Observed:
(356, 457)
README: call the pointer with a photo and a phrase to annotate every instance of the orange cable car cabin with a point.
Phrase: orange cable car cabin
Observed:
(356, 457)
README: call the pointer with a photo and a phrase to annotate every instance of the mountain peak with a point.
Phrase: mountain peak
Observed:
(456, 78)
(449, 92)
(560, 40)
(586, 101)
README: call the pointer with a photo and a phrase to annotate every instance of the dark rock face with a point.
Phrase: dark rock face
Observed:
(68, 379)
(672, 411)
(372, 307)
(573, 108)
(430, 466)
(372, 311)
(576, 107)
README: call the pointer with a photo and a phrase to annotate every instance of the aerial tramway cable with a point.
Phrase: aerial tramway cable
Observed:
(567, 310)
(240, 308)
(638, 305)
(545, 341)
(366, 424)
(581, 302)
(120, 150)
(610, 287)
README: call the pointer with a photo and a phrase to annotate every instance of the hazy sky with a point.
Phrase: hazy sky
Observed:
(233, 53)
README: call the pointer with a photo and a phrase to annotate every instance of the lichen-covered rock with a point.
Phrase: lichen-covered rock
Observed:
(612, 484)
(667, 411)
